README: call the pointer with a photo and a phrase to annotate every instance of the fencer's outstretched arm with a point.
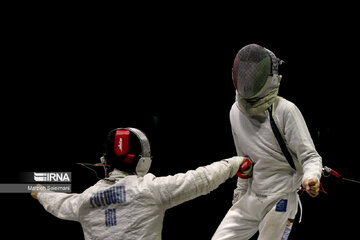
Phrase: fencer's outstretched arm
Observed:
(169, 191)
(62, 205)
(174, 190)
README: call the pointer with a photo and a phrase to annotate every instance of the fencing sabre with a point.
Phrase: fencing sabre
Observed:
(330, 171)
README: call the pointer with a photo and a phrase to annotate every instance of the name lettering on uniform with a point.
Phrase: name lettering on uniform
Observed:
(113, 195)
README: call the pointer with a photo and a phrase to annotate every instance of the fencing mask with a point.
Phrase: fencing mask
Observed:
(255, 77)
(127, 149)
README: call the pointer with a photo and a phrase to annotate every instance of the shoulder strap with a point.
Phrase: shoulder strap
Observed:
(280, 140)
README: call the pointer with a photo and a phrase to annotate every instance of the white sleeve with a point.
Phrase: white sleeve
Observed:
(300, 142)
(174, 190)
(61, 205)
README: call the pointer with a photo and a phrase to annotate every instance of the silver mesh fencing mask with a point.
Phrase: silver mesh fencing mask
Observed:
(252, 67)
(256, 79)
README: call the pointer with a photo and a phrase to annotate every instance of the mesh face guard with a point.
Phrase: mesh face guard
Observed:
(252, 66)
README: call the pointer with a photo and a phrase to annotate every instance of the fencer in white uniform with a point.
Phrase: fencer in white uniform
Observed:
(130, 204)
(268, 201)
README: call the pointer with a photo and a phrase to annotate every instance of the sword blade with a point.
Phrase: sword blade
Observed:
(350, 180)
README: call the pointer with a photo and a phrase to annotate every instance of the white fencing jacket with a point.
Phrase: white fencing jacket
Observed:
(253, 137)
(133, 207)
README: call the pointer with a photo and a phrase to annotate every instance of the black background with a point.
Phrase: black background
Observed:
(73, 73)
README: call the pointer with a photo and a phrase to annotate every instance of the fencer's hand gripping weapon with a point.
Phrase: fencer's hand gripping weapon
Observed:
(246, 168)
(328, 171)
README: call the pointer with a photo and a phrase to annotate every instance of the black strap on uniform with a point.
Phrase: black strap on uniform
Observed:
(280, 140)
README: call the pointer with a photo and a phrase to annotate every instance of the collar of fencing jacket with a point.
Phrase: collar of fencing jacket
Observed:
(116, 173)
